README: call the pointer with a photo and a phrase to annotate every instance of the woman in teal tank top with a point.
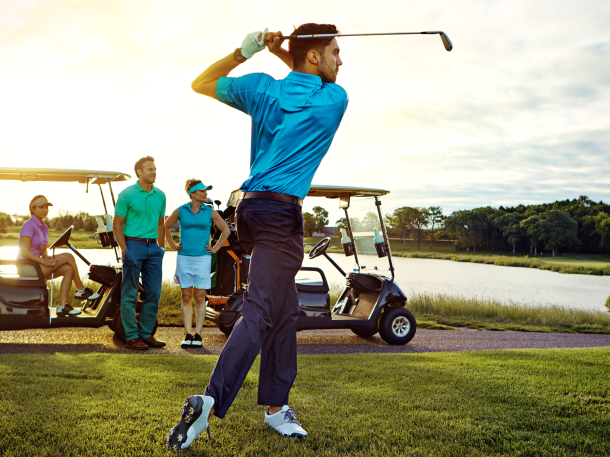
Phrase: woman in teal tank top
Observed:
(194, 260)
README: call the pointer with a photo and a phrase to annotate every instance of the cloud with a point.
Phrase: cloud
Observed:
(516, 113)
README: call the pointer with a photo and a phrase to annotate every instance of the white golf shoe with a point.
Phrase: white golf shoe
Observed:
(285, 423)
(194, 421)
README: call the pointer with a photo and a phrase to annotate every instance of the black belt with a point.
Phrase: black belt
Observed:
(274, 196)
(145, 240)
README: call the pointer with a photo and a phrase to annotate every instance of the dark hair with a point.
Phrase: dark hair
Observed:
(32, 201)
(298, 49)
(190, 183)
(140, 163)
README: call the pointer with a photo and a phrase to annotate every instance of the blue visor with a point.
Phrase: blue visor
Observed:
(199, 186)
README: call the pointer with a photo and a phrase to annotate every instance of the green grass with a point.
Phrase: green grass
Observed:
(511, 402)
(455, 311)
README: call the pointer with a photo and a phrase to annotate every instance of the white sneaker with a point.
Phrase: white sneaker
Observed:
(194, 420)
(197, 341)
(285, 423)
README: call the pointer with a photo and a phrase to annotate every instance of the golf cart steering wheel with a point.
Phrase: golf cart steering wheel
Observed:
(320, 248)
(63, 239)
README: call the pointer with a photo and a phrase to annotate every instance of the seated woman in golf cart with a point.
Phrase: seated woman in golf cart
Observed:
(33, 242)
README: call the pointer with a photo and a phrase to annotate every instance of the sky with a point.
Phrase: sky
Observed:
(516, 113)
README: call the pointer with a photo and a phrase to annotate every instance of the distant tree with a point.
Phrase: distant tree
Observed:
(556, 229)
(340, 224)
(535, 230)
(401, 220)
(355, 223)
(601, 223)
(419, 221)
(309, 223)
(78, 223)
(20, 219)
(435, 222)
(468, 228)
(7, 218)
(369, 222)
(510, 225)
(3, 224)
(562, 231)
(90, 224)
(320, 216)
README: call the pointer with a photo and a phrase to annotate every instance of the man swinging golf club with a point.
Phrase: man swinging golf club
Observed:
(294, 121)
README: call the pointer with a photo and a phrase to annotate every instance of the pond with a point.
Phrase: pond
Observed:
(506, 284)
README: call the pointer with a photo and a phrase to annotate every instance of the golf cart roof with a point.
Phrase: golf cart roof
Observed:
(58, 175)
(338, 191)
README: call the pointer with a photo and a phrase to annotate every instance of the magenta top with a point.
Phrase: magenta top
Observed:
(39, 232)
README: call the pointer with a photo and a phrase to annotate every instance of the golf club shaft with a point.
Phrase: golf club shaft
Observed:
(51, 302)
(332, 35)
(446, 41)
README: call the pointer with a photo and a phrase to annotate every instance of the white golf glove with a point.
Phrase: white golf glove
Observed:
(251, 44)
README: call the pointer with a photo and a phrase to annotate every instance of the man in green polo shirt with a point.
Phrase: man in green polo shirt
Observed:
(139, 219)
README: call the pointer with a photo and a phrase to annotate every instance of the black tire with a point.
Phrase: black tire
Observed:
(119, 330)
(397, 326)
(365, 333)
(226, 329)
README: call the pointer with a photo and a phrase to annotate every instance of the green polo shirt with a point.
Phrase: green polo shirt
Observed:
(141, 210)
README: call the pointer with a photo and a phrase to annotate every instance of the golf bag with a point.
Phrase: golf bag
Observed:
(230, 266)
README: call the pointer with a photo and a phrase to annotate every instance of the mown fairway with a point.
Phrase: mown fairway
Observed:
(527, 402)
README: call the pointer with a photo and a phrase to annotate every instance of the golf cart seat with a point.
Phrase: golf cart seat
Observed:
(10, 276)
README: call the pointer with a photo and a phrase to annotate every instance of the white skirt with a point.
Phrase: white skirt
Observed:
(193, 271)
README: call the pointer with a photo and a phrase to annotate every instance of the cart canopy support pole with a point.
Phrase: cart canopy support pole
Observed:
(349, 230)
(103, 199)
(385, 235)
(111, 194)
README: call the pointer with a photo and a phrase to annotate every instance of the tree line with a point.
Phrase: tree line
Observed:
(580, 225)
(80, 221)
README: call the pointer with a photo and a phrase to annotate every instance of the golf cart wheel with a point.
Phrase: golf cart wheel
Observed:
(226, 329)
(119, 330)
(397, 326)
(364, 333)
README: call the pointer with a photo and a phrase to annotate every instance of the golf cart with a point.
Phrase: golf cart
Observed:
(370, 302)
(25, 301)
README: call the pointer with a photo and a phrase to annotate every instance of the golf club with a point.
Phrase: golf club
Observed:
(444, 37)
(51, 301)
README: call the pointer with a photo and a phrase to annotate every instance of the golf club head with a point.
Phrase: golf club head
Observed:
(446, 41)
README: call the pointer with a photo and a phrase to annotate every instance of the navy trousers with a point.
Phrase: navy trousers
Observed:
(272, 233)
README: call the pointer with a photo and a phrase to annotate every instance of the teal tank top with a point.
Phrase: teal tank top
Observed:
(194, 229)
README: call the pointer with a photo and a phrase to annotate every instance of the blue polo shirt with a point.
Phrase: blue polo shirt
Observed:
(141, 210)
(194, 229)
(294, 121)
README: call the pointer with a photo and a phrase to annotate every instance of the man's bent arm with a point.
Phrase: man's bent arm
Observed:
(205, 83)
(161, 232)
(117, 227)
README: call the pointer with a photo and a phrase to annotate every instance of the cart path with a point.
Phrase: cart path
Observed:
(102, 340)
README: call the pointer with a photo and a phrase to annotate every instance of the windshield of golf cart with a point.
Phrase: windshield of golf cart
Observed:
(359, 218)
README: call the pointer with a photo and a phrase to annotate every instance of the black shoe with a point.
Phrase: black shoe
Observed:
(197, 343)
(67, 310)
(194, 421)
(188, 341)
(85, 294)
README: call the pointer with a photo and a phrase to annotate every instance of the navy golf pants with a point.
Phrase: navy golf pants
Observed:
(272, 233)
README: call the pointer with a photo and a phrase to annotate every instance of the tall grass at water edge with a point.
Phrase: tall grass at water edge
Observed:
(459, 311)
(507, 261)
